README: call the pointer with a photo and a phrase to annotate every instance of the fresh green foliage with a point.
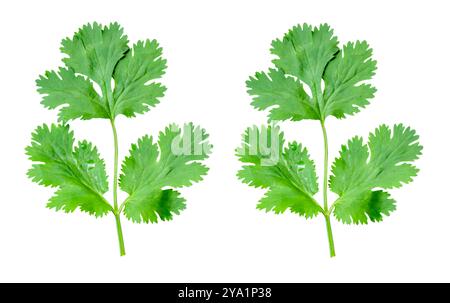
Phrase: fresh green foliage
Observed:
(292, 180)
(312, 78)
(308, 56)
(101, 55)
(78, 172)
(362, 171)
(144, 177)
(103, 78)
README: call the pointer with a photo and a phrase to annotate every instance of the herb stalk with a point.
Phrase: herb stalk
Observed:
(115, 180)
(325, 190)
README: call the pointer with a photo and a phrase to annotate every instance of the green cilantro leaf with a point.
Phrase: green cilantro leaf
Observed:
(152, 167)
(289, 174)
(362, 171)
(65, 88)
(275, 88)
(78, 172)
(310, 56)
(100, 55)
(344, 91)
(94, 51)
(143, 63)
(305, 51)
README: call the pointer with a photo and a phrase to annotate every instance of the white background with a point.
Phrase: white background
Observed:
(212, 47)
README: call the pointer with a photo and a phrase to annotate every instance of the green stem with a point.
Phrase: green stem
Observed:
(120, 235)
(330, 236)
(325, 191)
(116, 205)
(325, 167)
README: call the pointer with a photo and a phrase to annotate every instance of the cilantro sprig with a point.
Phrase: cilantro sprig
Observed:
(127, 78)
(337, 81)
